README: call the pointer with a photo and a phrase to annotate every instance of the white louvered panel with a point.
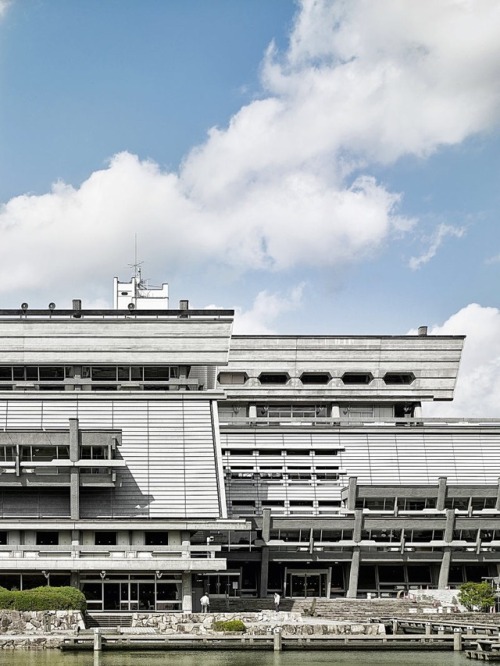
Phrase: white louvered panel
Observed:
(20, 418)
(169, 454)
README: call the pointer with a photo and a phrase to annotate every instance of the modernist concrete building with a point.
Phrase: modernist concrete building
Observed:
(147, 454)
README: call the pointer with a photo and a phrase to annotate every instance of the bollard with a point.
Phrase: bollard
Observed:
(457, 640)
(97, 639)
(277, 640)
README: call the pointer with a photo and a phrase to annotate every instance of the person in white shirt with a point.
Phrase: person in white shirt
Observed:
(277, 600)
(205, 603)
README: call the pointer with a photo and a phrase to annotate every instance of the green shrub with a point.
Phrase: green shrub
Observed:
(6, 598)
(477, 596)
(43, 598)
(229, 625)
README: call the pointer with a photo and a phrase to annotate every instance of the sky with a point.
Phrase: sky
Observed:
(321, 166)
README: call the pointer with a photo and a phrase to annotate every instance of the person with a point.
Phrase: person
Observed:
(277, 599)
(205, 603)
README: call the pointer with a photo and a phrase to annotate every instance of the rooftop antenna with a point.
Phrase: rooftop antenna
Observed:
(137, 265)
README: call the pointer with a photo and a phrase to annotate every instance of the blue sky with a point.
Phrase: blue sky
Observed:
(321, 166)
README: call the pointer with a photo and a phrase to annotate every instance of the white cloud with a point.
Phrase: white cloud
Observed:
(287, 183)
(266, 308)
(4, 5)
(478, 386)
(435, 241)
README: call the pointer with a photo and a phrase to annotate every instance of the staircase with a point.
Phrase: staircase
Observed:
(108, 620)
(332, 609)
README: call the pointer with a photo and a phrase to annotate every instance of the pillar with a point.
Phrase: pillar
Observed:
(441, 498)
(351, 493)
(497, 505)
(187, 592)
(74, 456)
(264, 572)
(444, 571)
(354, 574)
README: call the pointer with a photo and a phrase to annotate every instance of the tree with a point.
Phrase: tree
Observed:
(477, 596)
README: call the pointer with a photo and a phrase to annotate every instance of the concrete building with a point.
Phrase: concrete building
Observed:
(147, 454)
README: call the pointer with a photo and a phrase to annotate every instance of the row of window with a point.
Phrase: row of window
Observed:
(416, 504)
(47, 538)
(97, 373)
(279, 452)
(316, 378)
(46, 453)
(285, 476)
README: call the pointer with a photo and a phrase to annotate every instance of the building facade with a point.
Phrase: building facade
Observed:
(148, 455)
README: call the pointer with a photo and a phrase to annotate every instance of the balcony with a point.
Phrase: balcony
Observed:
(111, 558)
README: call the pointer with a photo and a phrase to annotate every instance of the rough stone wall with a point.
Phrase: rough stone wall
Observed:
(39, 622)
(257, 624)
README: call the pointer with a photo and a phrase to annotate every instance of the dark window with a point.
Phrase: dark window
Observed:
(232, 377)
(273, 377)
(47, 539)
(315, 377)
(104, 373)
(105, 538)
(156, 539)
(391, 574)
(18, 373)
(3, 538)
(160, 373)
(366, 577)
(419, 574)
(5, 374)
(51, 373)
(357, 377)
(399, 377)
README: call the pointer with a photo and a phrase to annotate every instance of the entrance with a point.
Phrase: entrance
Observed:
(135, 592)
(302, 584)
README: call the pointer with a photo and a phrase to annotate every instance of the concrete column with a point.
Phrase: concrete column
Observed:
(450, 525)
(358, 525)
(354, 574)
(264, 572)
(335, 412)
(74, 453)
(266, 525)
(351, 493)
(444, 571)
(74, 579)
(97, 639)
(457, 640)
(497, 505)
(187, 592)
(74, 456)
(74, 500)
(441, 498)
(278, 640)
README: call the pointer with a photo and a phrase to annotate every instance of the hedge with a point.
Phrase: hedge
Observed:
(43, 598)
(229, 625)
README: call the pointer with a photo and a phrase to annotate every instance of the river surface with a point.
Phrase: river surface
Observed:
(238, 658)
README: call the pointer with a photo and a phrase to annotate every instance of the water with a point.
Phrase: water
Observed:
(348, 658)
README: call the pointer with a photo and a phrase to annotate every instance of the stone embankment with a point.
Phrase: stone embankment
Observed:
(37, 630)
(257, 624)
